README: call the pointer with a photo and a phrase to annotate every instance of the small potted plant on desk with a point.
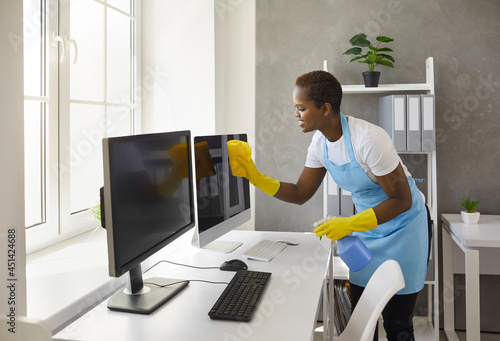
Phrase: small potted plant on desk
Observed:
(373, 57)
(470, 216)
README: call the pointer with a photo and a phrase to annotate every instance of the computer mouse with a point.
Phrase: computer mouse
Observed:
(233, 265)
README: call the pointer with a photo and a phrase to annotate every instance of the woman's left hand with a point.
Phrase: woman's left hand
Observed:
(339, 227)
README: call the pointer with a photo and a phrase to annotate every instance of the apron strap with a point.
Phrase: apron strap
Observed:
(347, 137)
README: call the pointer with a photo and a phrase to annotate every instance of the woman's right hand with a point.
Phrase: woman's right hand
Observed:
(240, 157)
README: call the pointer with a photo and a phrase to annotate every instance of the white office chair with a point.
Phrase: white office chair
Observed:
(384, 283)
(26, 329)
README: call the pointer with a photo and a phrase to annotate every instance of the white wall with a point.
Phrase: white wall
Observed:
(198, 67)
(235, 73)
(235, 67)
(178, 66)
(12, 154)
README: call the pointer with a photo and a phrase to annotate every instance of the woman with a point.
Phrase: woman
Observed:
(392, 219)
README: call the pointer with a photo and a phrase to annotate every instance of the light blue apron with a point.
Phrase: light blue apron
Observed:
(404, 238)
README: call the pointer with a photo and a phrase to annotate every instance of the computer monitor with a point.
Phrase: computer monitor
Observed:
(223, 199)
(148, 203)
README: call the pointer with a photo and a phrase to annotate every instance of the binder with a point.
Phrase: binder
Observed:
(346, 203)
(413, 122)
(333, 198)
(392, 118)
(428, 123)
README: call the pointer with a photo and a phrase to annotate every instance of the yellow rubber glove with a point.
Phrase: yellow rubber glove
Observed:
(240, 160)
(240, 149)
(339, 227)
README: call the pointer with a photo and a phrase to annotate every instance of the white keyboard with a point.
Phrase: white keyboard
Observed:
(265, 250)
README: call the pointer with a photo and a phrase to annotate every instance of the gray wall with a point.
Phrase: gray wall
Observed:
(295, 36)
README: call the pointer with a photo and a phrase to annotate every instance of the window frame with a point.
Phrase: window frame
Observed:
(60, 224)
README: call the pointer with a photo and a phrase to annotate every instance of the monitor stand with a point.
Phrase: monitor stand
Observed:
(138, 298)
(222, 246)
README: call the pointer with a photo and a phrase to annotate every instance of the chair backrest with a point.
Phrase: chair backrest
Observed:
(384, 283)
(24, 329)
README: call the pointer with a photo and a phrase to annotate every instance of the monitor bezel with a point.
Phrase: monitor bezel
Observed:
(117, 270)
(208, 239)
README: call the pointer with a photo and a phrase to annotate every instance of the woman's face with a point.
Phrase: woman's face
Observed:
(309, 116)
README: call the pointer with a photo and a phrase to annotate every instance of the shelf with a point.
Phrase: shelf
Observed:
(383, 88)
(429, 324)
(419, 152)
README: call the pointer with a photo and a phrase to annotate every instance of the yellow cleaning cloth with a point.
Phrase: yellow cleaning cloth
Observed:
(240, 149)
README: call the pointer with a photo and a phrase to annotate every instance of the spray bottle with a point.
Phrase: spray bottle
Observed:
(351, 250)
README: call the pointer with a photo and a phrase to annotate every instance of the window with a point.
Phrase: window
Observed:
(81, 67)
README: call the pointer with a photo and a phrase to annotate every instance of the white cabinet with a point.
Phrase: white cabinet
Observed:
(431, 198)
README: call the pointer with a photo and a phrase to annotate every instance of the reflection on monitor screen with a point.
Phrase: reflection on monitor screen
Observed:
(148, 203)
(223, 199)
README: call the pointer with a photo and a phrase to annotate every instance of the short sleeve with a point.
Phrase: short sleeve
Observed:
(314, 157)
(378, 152)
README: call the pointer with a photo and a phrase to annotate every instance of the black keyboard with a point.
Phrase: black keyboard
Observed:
(239, 299)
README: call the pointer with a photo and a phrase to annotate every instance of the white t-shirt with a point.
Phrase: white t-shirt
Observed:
(373, 149)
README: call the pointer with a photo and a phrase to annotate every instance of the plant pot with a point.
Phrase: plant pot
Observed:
(371, 78)
(470, 218)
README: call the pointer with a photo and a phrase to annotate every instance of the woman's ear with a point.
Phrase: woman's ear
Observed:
(327, 108)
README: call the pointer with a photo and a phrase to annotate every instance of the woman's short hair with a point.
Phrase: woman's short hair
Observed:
(321, 87)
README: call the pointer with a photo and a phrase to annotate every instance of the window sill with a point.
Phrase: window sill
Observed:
(69, 278)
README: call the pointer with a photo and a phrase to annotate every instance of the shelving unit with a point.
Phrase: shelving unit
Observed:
(431, 198)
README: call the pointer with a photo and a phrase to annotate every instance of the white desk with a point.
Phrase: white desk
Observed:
(287, 311)
(470, 238)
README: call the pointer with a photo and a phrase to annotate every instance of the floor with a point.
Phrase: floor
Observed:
(422, 334)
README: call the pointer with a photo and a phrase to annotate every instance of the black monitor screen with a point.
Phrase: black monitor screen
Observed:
(148, 180)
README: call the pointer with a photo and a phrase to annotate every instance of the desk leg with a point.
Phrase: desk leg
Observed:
(472, 312)
(328, 303)
(448, 287)
(472, 295)
(326, 329)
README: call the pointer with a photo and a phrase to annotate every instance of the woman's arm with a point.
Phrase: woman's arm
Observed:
(307, 184)
(395, 185)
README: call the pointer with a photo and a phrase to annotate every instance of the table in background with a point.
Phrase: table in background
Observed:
(471, 239)
(287, 311)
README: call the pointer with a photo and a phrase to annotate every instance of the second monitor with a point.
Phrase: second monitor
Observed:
(223, 199)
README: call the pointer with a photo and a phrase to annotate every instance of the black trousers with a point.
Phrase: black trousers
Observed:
(398, 313)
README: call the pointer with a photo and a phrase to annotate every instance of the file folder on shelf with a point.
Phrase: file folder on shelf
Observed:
(413, 131)
(392, 117)
(428, 123)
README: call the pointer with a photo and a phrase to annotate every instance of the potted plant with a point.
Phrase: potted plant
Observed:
(470, 216)
(373, 57)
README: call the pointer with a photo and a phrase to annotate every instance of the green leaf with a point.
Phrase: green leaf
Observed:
(353, 50)
(361, 42)
(386, 63)
(382, 49)
(356, 58)
(469, 205)
(386, 56)
(384, 39)
(357, 36)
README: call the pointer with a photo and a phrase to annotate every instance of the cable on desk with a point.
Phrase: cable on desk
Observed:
(186, 265)
(183, 281)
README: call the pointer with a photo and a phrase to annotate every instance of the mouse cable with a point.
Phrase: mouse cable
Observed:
(186, 265)
(184, 281)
